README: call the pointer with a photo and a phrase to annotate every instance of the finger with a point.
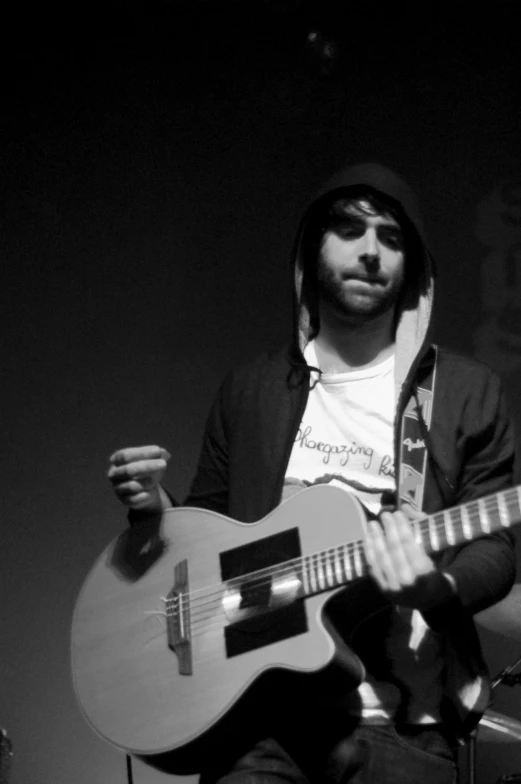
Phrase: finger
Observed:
(133, 495)
(136, 453)
(412, 542)
(415, 544)
(377, 557)
(126, 489)
(138, 469)
(413, 515)
(407, 555)
(397, 562)
(138, 500)
(398, 530)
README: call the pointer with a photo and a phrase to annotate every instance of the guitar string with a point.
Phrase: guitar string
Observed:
(241, 580)
(323, 558)
(286, 568)
(208, 610)
(204, 625)
(214, 622)
(440, 525)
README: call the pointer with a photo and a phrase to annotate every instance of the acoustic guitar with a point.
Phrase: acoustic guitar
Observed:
(180, 615)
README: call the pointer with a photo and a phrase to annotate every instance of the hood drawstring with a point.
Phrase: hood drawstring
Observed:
(300, 371)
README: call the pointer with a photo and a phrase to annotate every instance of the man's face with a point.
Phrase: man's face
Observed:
(360, 268)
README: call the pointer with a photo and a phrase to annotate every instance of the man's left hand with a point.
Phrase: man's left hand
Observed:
(399, 564)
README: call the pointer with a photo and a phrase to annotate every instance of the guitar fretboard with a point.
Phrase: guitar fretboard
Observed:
(469, 521)
(331, 568)
(342, 564)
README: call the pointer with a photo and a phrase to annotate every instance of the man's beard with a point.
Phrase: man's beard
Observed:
(346, 304)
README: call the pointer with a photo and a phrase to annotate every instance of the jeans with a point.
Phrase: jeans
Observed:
(368, 755)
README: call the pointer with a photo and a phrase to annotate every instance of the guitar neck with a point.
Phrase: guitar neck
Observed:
(340, 565)
(470, 521)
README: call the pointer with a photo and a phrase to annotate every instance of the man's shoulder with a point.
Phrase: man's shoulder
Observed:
(463, 366)
(270, 370)
(268, 382)
(279, 360)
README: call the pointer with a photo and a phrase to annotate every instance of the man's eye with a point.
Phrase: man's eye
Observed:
(348, 232)
(392, 239)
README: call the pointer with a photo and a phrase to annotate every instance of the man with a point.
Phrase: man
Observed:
(361, 400)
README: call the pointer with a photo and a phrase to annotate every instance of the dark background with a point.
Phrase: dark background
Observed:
(155, 158)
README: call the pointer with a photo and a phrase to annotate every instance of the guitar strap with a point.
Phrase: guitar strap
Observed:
(413, 463)
(467, 687)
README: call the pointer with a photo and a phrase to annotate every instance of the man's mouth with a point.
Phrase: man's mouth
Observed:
(364, 279)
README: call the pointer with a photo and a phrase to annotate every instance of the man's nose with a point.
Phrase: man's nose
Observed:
(370, 250)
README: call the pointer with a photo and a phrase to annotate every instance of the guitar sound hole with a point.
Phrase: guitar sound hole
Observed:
(255, 619)
(255, 594)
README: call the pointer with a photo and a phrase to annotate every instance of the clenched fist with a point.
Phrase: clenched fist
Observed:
(135, 474)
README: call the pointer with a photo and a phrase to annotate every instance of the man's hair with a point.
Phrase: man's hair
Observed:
(368, 204)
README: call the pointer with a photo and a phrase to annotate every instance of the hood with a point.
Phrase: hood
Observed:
(415, 310)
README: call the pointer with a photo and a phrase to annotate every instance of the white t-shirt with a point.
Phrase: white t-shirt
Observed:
(346, 439)
(346, 433)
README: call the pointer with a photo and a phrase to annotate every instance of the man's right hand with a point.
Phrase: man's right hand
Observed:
(135, 474)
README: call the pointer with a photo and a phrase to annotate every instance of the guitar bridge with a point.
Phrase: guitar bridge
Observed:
(178, 619)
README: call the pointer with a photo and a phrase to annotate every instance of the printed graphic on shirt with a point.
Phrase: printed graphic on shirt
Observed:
(342, 453)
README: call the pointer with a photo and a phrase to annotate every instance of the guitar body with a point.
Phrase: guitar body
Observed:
(148, 692)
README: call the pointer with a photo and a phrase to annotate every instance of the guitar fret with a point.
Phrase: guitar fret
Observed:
(305, 576)
(516, 513)
(493, 514)
(504, 517)
(320, 573)
(513, 509)
(338, 566)
(450, 532)
(347, 564)
(327, 568)
(484, 518)
(433, 534)
(357, 559)
(466, 525)
(329, 572)
(457, 521)
(312, 575)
